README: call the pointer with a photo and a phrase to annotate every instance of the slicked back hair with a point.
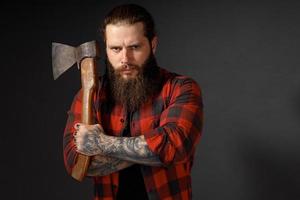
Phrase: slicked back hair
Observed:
(130, 14)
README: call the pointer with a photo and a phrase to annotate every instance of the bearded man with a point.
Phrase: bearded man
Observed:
(148, 121)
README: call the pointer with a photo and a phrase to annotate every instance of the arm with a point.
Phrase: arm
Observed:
(121, 152)
(91, 140)
(134, 149)
(105, 165)
(180, 124)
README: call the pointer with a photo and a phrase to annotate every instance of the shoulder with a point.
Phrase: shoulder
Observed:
(176, 81)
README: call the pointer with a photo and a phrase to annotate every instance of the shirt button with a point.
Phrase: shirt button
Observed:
(122, 120)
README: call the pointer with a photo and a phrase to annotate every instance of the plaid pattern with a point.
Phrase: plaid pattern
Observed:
(171, 124)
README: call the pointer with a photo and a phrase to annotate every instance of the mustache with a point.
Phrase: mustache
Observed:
(128, 66)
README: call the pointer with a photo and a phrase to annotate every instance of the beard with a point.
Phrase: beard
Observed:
(133, 92)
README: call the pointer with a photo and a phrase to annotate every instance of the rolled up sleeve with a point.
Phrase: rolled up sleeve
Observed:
(180, 126)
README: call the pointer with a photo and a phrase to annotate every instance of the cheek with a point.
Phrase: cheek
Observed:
(113, 60)
(111, 55)
(140, 58)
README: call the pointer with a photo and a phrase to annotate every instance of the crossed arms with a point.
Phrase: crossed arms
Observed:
(111, 153)
(173, 141)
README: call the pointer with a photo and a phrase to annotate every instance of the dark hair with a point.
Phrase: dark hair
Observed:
(130, 14)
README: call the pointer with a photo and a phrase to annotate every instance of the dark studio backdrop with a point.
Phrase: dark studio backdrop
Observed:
(244, 55)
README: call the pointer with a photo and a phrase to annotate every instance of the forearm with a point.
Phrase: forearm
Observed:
(91, 141)
(120, 153)
(133, 149)
(105, 165)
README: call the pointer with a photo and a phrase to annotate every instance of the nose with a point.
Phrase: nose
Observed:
(125, 56)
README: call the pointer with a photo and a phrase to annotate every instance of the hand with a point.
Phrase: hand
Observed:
(88, 138)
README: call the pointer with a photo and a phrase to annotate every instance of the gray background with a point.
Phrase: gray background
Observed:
(244, 55)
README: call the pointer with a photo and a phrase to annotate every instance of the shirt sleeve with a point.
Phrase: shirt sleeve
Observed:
(69, 147)
(180, 126)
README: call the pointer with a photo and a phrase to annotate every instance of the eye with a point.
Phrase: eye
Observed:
(135, 47)
(115, 49)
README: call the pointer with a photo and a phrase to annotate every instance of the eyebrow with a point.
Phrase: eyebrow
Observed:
(114, 46)
(120, 46)
(135, 44)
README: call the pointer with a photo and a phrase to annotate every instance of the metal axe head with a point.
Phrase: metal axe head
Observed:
(65, 56)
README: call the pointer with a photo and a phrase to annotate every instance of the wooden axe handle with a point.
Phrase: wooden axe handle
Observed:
(88, 81)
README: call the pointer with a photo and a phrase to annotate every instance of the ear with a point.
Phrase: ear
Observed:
(154, 44)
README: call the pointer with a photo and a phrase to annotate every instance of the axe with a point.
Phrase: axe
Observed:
(64, 57)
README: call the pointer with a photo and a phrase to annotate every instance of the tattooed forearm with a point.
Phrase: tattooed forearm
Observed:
(90, 140)
(104, 165)
(134, 149)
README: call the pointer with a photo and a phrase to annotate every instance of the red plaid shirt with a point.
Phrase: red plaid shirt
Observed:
(171, 124)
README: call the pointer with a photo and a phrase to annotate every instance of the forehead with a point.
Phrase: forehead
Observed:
(122, 32)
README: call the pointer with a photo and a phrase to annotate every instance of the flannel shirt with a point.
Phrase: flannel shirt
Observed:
(171, 124)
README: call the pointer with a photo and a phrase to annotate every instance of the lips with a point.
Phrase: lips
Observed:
(127, 71)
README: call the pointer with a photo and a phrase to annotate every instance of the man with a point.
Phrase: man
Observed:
(148, 121)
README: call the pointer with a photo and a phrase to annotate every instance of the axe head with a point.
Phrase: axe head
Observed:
(65, 56)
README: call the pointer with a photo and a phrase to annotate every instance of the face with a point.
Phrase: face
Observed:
(127, 48)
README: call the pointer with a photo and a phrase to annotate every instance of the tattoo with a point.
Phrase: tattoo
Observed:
(88, 140)
(105, 165)
(134, 149)
(91, 142)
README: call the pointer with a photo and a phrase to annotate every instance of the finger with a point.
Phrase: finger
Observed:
(77, 126)
(78, 144)
(75, 141)
(75, 136)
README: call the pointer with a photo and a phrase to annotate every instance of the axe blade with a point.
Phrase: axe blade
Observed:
(63, 57)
